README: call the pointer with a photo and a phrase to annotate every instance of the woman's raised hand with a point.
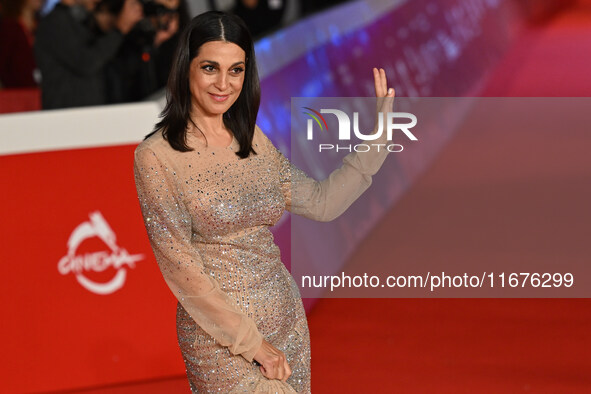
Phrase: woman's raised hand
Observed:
(273, 362)
(384, 94)
(381, 84)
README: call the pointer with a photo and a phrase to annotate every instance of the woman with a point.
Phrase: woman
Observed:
(210, 184)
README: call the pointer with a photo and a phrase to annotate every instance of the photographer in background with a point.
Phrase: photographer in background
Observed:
(142, 63)
(72, 57)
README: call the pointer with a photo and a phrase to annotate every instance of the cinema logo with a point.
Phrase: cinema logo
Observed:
(387, 122)
(81, 264)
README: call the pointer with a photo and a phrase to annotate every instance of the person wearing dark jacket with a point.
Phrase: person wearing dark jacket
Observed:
(143, 61)
(72, 57)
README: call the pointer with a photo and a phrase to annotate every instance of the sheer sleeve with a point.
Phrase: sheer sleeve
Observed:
(168, 224)
(328, 199)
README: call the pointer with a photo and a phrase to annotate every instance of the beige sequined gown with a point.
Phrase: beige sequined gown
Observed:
(207, 213)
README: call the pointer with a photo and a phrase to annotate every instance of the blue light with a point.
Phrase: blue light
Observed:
(263, 45)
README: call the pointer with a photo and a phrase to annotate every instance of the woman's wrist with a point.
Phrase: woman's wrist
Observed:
(254, 349)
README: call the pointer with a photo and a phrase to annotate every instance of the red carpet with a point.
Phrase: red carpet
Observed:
(451, 346)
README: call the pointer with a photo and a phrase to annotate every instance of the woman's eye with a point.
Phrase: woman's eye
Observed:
(208, 68)
(237, 70)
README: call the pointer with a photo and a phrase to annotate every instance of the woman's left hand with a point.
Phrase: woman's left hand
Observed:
(384, 94)
(381, 84)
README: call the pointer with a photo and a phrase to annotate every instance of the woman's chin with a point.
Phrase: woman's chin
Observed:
(213, 108)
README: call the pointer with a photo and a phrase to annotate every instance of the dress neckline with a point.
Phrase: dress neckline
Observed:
(231, 146)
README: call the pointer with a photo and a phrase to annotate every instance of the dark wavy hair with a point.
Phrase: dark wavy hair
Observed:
(241, 117)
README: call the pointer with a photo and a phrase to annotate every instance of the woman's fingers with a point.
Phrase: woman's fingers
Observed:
(384, 95)
(287, 370)
(278, 369)
(273, 362)
(277, 364)
(376, 81)
(381, 83)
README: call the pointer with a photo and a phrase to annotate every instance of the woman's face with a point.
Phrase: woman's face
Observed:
(216, 77)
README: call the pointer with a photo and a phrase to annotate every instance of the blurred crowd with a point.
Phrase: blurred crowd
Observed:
(94, 52)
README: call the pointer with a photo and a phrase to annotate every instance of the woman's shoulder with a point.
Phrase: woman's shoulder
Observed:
(154, 141)
(258, 133)
(260, 139)
(156, 144)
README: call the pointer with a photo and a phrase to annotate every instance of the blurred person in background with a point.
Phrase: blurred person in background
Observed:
(18, 21)
(312, 6)
(168, 47)
(72, 57)
(143, 61)
(261, 16)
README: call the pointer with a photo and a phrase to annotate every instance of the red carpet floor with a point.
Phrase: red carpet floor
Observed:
(469, 345)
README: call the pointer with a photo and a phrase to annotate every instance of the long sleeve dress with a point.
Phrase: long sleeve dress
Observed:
(207, 213)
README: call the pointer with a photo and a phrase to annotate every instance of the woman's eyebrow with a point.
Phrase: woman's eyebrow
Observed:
(217, 64)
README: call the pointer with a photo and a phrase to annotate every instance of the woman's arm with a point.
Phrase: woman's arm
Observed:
(169, 230)
(326, 200)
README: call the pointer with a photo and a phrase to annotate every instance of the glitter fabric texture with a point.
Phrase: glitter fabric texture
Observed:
(207, 213)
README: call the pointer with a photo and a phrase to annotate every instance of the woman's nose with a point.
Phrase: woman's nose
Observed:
(222, 82)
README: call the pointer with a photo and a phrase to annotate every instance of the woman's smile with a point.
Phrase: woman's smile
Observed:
(219, 98)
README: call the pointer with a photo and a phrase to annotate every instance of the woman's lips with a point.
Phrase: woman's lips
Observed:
(219, 98)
